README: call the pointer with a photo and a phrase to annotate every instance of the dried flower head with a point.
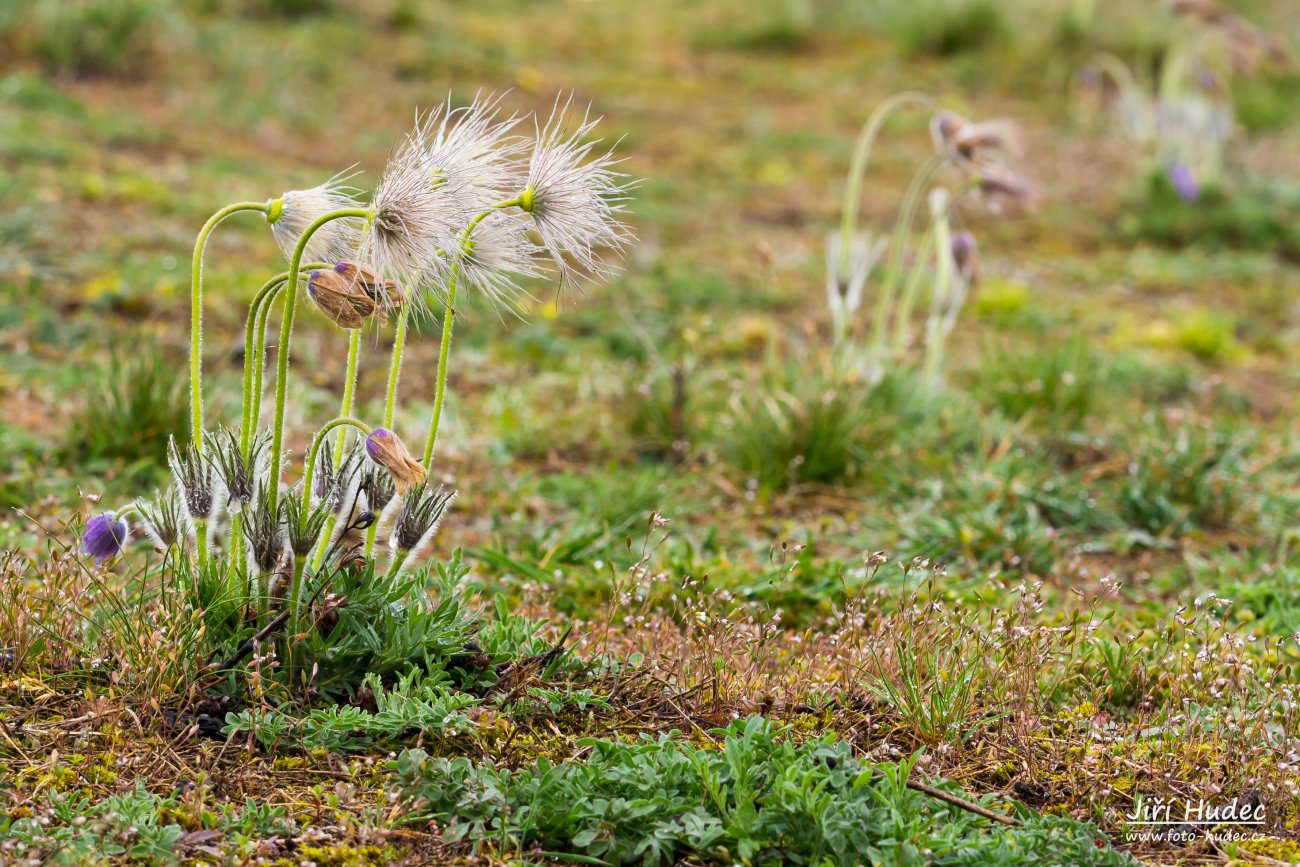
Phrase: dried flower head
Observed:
(389, 452)
(105, 536)
(420, 515)
(1004, 190)
(338, 488)
(194, 478)
(344, 302)
(575, 198)
(164, 519)
(294, 211)
(303, 522)
(378, 488)
(384, 292)
(238, 474)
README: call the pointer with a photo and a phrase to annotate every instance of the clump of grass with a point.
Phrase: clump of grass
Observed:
(942, 28)
(797, 428)
(1058, 387)
(1184, 478)
(132, 404)
(118, 38)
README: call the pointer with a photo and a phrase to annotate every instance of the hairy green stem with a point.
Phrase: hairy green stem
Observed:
(254, 341)
(286, 335)
(448, 319)
(390, 400)
(862, 148)
(196, 315)
(889, 280)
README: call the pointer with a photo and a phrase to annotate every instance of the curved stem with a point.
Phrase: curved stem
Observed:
(196, 315)
(316, 442)
(254, 339)
(902, 321)
(286, 334)
(449, 318)
(349, 387)
(390, 400)
(858, 166)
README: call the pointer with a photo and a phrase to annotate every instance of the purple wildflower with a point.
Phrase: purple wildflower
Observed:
(104, 537)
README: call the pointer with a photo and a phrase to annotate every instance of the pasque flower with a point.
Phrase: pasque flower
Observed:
(104, 537)
(294, 211)
(418, 518)
(575, 198)
(415, 220)
(965, 255)
(388, 451)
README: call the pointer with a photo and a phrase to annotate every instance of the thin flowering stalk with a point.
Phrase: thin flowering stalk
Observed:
(862, 148)
(889, 280)
(254, 345)
(448, 321)
(196, 313)
(941, 207)
(286, 334)
(390, 399)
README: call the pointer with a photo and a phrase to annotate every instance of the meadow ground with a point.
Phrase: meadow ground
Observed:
(703, 598)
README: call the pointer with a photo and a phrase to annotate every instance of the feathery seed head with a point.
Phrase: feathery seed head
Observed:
(238, 475)
(473, 153)
(104, 537)
(576, 199)
(385, 449)
(496, 256)
(294, 211)
(415, 220)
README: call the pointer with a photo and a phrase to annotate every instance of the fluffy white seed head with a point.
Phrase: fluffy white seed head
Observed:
(474, 153)
(497, 254)
(294, 211)
(576, 199)
(415, 221)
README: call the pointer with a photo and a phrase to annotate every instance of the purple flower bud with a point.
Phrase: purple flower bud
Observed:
(377, 442)
(387, 450)
(104, 537)
(1180, 175)
(965, 255)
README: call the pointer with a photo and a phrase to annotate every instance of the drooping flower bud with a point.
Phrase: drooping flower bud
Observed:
(965, 255)
(387, 450)
(343, 300)
(104, 537)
